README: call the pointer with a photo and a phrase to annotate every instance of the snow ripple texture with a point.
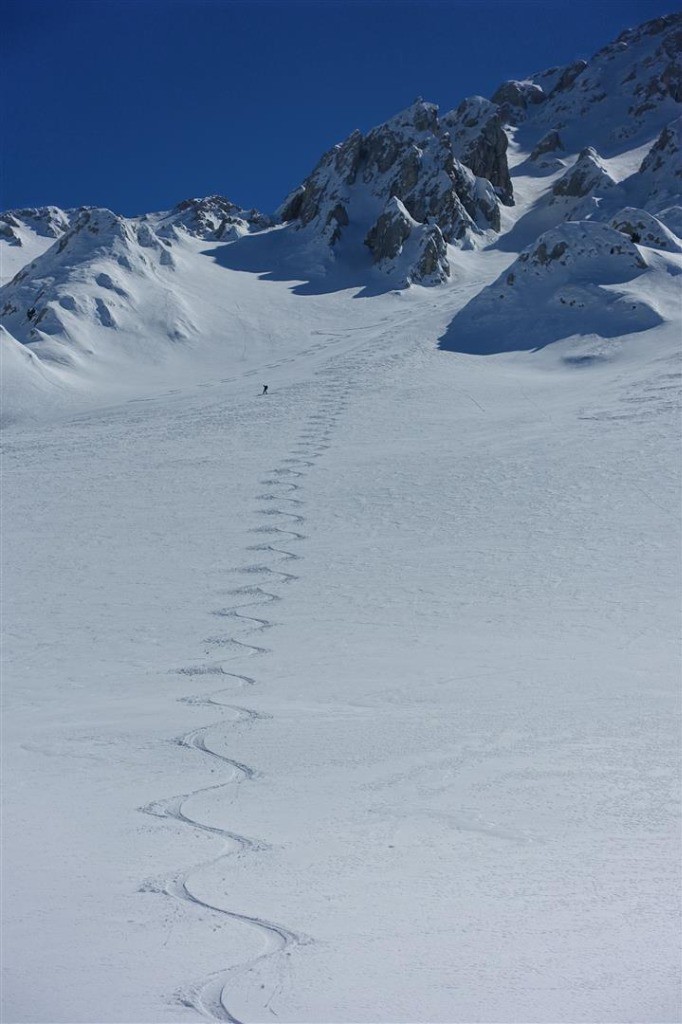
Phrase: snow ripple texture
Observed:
(281, 519)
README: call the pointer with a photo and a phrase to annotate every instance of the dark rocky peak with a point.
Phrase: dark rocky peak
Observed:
(409, 158)
(480, 142)
(665, 152)
(420, 116)
(515, 99)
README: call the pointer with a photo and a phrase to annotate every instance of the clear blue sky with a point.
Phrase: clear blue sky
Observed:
(137, 104)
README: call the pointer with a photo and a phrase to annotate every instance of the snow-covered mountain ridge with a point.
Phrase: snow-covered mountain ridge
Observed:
(94, 296)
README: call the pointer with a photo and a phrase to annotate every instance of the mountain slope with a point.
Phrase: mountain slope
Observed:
(116, 305)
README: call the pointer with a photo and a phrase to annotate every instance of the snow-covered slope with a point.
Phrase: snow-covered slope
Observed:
(355, 701)
(26, 234)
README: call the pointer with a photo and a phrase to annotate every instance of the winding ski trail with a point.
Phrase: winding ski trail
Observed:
(284, 483)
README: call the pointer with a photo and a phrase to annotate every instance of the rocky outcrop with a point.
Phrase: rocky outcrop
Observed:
(211, 218)
(549, 143)
(401, 245)
(567, 77)
(587, 176)
(515, 99)
(659, 179)
(409, 159)
(385, 239)
(580, 243)
(481, 143)
(431, 265)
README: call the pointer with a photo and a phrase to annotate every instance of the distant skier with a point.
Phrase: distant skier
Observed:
(265, 390)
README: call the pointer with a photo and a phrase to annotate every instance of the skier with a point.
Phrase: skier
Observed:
(265, 390)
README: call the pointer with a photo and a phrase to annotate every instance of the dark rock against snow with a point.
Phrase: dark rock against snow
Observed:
(480, 142)
(516, 98)
(660, 175)
(385, 238)
(399, 244)
(431, 265)
(409, 158)
(587, 176)
(549, 143)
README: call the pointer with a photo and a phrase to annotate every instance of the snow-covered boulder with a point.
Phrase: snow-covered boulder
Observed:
(409, 158)
(645, 229)
(571, 281)
(480, 142)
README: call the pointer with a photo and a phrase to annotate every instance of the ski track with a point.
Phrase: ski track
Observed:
(210, 997)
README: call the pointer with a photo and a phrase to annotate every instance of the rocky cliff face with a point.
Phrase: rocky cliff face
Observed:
(410, 158)
(480, 142)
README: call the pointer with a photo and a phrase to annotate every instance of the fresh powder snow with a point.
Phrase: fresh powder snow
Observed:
(356, 700)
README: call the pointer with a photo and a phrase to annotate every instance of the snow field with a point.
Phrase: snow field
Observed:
(386, 661)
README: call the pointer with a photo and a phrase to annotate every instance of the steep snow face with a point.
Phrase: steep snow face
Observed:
(411, 158)
(213, 218)
(26, 234)
(575, 280)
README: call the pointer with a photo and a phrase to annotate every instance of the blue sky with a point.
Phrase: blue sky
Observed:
(137, 104)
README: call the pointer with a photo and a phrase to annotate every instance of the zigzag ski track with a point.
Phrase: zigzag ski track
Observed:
(211, 997)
